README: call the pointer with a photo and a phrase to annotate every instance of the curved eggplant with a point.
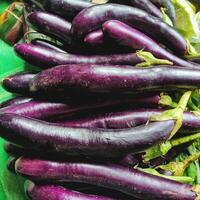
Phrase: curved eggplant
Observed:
(114, 79)
(46, 58)
(130, 181)
(92, 18)
(15, 101)
(81, 141)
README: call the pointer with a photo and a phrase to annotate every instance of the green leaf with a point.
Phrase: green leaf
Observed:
(149, 59)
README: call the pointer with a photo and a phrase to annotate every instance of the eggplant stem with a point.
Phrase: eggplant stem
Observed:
(196, 189)
(166, 100)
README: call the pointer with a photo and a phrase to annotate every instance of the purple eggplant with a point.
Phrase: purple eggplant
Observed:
(114, 79)
(46, 58)
(43, 43)
(130, 181)
(91, 19)
(52, 192)
(195, 60)
(18, 83)
(52, 111)
(130, 37)
(169, 7)
(51, 25)
(127, 119)
(95, 38)
(15, 101)
(66, 8)
(82, 141)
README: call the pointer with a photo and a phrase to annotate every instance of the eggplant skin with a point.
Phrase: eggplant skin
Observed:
(114, 79)
(91, 19)
(82, 141)
(52, 192)
(18, 82)
(45, 58)
(127, 180)
(15, 101)
(127, 119)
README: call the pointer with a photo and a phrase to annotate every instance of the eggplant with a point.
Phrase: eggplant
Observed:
(127, 36)
(195, 60)
(127, 119)
(67, 9)
(57, 111)
(168, 4)
(18, 83)
(94, 38)
(114, 79)
(51, 25)
(43, 43)
(129, 181)
(46, 58)
(82, 141)
(52, 192)
(91, 19)
(15, 101)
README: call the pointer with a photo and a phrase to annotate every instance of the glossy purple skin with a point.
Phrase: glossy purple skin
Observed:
(46, 58)
(66, 8)
(51, 111)
(51, 25)
(170, 10)
(147, 6)
(114, 79)
(48, 45)
(82, 141)
(15, 101)
(127, 119)
(127, 36)
(95, 38)
(91, 19)
(52, 192)
(18, 82)
(130, 181)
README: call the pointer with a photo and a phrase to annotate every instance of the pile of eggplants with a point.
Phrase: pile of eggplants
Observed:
(80, 124)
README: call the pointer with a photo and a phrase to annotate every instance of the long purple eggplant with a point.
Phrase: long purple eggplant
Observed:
(195, 60)
(114, 79)
(169, 6)
(66, 8)
(15, 101)
(51, 111)
(43, 43)
(95, 38)
(130, 37)
(127, 119)
(52, 192)
(18, 83)
(46, 58)
(130, 181)
(92, 18)
(51, 25)
(81, 141)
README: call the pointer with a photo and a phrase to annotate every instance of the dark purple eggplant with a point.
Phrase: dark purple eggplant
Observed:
(169, 6)
(81, 141)
(51, 25)
(127, 119)
(43, 43)
(66, 8)
(11, 164)
(95, 38)
(46, 58)
(129, 181)
(114, 79)
(15, 101)
(18, 83)
(127, 36)
(52, 192)
(195, 60)
(52, 111)
(91, 19)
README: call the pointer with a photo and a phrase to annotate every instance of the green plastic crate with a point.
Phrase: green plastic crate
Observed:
(11, 186)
